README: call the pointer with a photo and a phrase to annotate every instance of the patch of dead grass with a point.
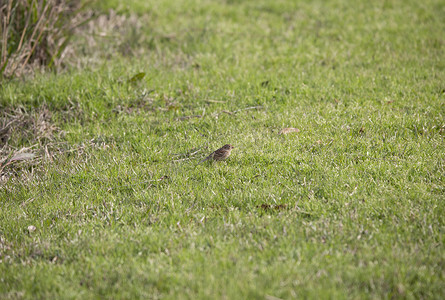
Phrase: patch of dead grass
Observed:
(20, 127)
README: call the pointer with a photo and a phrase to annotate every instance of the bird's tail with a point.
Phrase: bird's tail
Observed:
(205, 159)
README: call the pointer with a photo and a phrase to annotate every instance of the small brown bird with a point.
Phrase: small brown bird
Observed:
(220, 154)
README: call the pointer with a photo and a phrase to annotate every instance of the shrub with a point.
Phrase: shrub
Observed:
(36, 33)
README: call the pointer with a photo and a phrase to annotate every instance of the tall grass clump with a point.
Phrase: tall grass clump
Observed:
(36, 33)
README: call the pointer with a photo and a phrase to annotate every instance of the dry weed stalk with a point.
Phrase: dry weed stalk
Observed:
(36, 32)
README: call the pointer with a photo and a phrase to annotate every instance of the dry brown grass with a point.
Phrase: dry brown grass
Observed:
(28, 126)
(108, 35)
(36, 33)
(19, 127)
(30, 140)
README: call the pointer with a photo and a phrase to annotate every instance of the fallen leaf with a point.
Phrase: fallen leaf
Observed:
(288, 130)
(137, 77)
(22, 156)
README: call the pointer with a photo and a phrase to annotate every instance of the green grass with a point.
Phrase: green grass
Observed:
(122, 210)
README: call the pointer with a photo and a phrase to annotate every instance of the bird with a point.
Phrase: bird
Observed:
(220, 154)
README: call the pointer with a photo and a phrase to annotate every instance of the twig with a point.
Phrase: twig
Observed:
(188, 155)
(193, 153)
(47, 154)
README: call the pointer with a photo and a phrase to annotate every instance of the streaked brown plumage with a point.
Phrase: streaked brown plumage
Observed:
(220, 154)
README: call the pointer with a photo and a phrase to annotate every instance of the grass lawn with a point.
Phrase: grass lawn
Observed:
(114, 204)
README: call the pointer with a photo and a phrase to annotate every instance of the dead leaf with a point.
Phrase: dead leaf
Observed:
(288, 130)
(22, 156)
